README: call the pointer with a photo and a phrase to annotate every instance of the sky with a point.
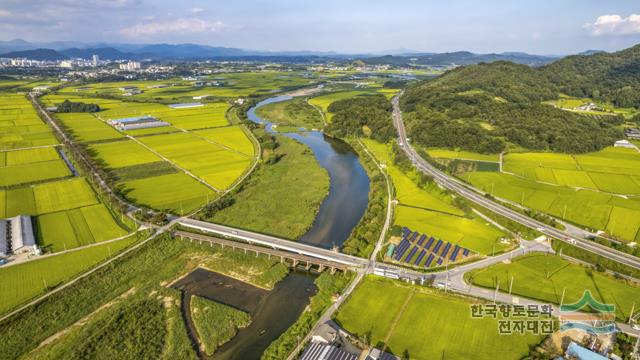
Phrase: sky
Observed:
(345, 26)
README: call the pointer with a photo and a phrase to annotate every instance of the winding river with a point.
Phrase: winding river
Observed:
(348, 195)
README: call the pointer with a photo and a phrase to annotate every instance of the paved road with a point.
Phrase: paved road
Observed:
(276, 243)
(478, 198)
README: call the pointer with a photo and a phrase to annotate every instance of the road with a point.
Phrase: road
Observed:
(475, 196)
(276, 243)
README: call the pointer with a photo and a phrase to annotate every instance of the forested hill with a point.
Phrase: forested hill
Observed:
(613, 77)
(486, 106)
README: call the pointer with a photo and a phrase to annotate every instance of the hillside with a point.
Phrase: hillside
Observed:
(458, 58)
(486, 107)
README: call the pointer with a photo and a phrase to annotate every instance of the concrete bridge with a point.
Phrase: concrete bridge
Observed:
(289, 249)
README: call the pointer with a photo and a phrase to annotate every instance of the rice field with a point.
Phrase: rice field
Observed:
(232, 137)
(545, 277)
(177, 193)
(461, 155)
(30, 166)
(209, 161)
(592, 209)
(20, 126)
(86, 127)
(77, 227)
(612, 170)
(122, 154)
(431, 212)
(421, 324)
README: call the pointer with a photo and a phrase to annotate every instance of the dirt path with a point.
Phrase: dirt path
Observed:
(397, 319)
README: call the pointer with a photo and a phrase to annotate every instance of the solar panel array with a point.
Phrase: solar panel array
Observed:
(424, 251)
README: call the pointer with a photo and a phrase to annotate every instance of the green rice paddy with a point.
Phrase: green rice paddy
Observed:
(20, 126)
(421, 324)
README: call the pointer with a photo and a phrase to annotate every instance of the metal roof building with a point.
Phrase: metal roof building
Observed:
(319, 351)
(16, 235)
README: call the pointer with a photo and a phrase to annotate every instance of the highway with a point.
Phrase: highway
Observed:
(475, 196)
(275, 243)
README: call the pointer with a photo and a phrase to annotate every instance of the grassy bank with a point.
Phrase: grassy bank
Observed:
(296, 112)
(216, 323)
(282, 196)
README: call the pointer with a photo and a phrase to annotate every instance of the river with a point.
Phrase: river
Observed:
(343, 207)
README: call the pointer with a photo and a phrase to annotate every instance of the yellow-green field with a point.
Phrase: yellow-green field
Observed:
(177, 193)
(122, 153)
(232, 137)
(31, 165)
(432, 212)
(20, 126)
(86, 127)
(417, 323)
(211, 162)
(324, 101)
(462, 155)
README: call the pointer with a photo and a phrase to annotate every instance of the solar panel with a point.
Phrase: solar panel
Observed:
(429, 260)
(429, 243)
(465, 252)
(411, 253)
(404, 245)
(455, 252)
(446, 249)
(440, 261)
(422, 239)
(438, 245)
(422, 254)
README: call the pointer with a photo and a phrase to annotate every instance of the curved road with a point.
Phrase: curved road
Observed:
(478, 198)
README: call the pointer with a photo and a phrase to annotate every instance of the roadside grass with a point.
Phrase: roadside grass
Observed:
(545, 277)
(216, 323)
(433, 325)
(280, 199)
(294, 112)
(21, 282)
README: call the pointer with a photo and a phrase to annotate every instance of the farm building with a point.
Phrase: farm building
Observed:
(319, 351)
(624, 144)
(185, 105)
(16, 236)
(137, 122)
(632, 133)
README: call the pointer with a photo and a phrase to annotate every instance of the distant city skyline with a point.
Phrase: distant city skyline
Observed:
(357, 26)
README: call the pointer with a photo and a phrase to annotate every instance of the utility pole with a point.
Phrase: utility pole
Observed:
(631, 315)
(511, 285)
(562, 299)
(495, 294)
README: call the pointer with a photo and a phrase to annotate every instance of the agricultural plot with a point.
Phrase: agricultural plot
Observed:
(77, 227)
(295, 112)
(20, 126)
(122, 154)
(211, 162)
(426, 325)
(232, 137)
(22, 282)
(613, 170)
(31, 165)
(545, 277)
(461, 155)
(178, 193)
(86, 127)
(585, 207)
(48, 197)
(429, 211)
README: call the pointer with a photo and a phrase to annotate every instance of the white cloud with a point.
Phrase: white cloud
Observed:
(196, 10)
(177, 26)
(615, 25)
(4, 13)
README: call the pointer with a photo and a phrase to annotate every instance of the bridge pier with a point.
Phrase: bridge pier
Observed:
(320, 268)
(295, 262)
(333, 270)
(308, 266)
(257, 253)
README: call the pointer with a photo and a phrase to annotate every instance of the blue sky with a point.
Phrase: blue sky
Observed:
(541, 26)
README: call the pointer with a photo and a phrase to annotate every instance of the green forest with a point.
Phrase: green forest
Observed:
(488, 107)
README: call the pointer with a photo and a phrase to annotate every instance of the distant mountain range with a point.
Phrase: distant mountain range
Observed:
(107, 51)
